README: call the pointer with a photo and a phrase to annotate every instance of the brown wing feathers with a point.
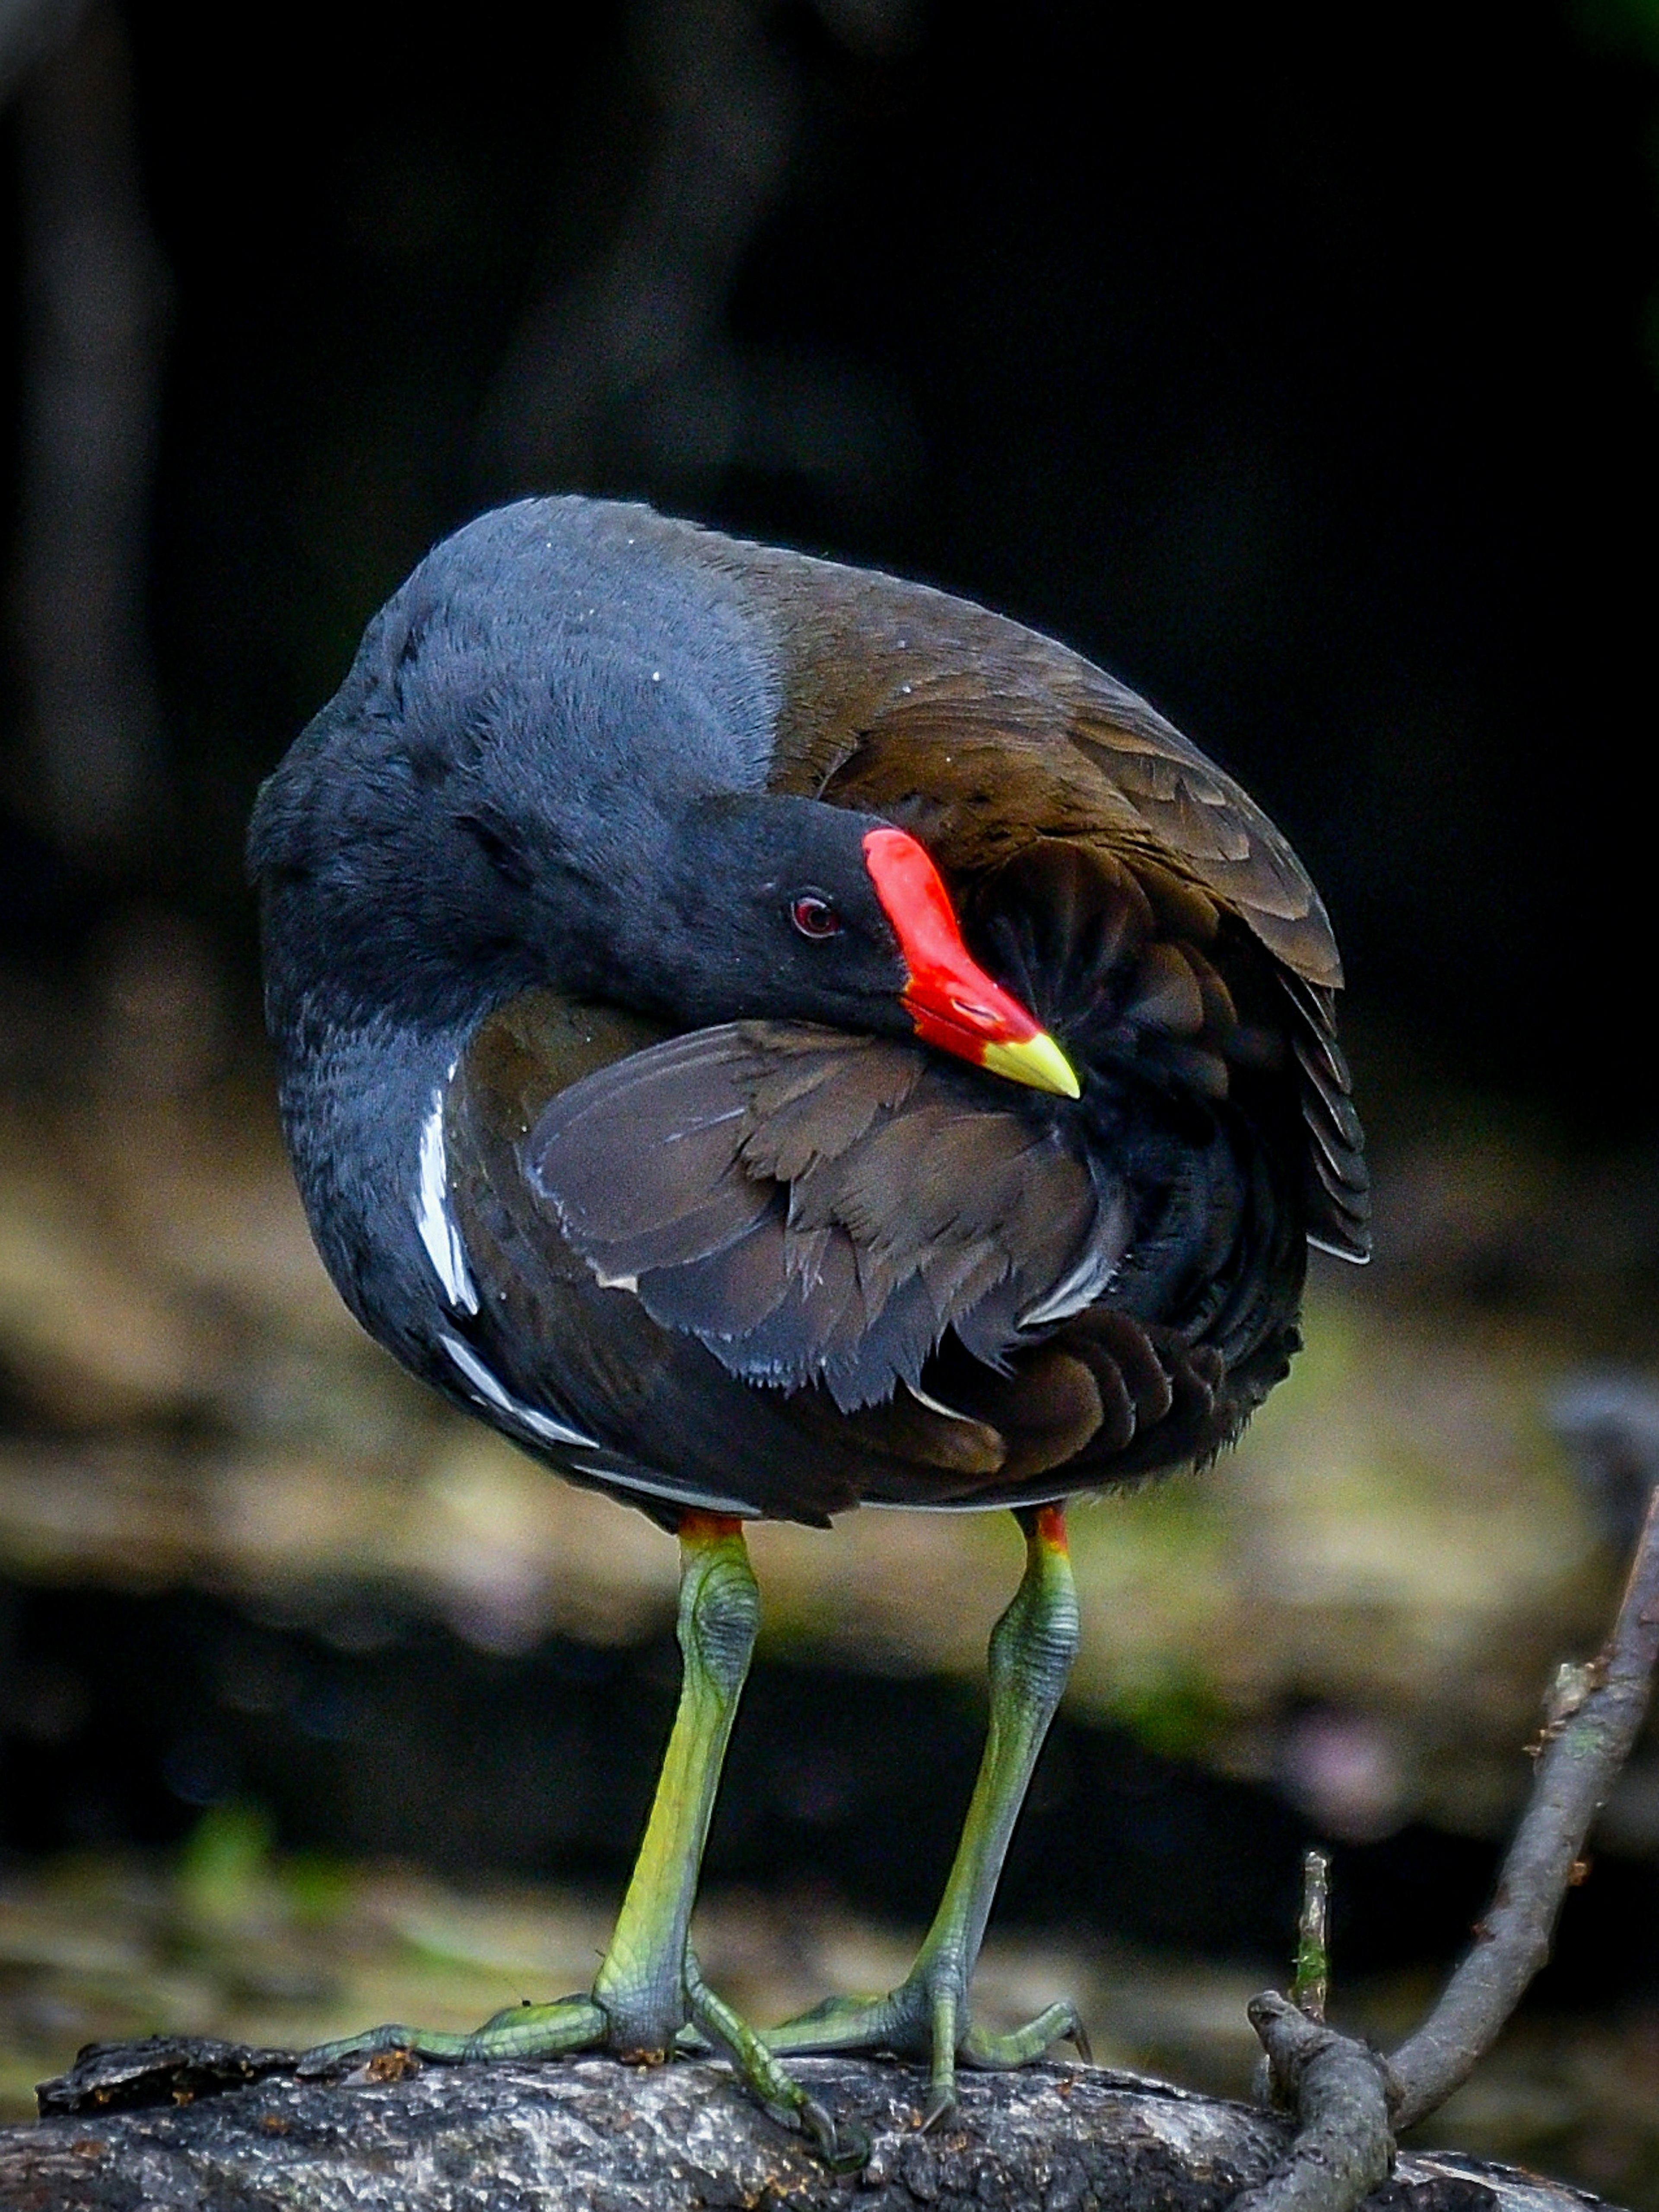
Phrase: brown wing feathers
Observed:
(603, 1361)
(894, 694)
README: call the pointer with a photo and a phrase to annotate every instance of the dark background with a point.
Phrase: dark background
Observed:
(1298, 375)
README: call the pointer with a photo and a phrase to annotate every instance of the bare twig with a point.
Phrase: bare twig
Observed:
(1594, 1715)
(1313, 1949)
(1340, 2090)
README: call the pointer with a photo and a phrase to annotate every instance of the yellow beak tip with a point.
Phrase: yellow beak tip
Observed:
(1039, 1063)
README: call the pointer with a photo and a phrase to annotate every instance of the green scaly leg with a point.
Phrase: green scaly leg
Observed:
(648, 1986)
(927, 2016)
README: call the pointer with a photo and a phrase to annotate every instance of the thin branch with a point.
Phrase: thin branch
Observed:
(1595, 1715)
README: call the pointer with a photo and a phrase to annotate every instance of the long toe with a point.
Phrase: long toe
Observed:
(544, 2031)
(324, 2060)
(844, 2024)
(526, 2031)
(1000, 2054)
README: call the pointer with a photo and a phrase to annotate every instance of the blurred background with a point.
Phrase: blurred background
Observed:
(1308, 377)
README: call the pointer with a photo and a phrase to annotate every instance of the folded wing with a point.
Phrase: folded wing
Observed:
(818, 1208)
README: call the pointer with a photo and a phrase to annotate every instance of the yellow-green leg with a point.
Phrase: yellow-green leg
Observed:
(649, 1987)
(927, 2015)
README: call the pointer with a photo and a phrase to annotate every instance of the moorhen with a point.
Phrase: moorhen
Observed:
(770, 1038)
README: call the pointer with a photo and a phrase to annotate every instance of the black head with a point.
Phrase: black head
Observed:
(767, 909)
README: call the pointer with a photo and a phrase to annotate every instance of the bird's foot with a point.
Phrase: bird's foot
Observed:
(529, 2033)
(926, 2018)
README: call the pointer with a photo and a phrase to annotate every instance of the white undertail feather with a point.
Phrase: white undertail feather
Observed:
(491, 1392)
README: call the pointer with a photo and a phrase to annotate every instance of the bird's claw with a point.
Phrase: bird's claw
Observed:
(842, 2145)
(528, 2031)
(941, 2103)
(842, 2148)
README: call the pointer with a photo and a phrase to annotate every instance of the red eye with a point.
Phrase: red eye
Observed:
(814, 916)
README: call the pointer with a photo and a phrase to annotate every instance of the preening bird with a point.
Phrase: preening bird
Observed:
(771, 1038)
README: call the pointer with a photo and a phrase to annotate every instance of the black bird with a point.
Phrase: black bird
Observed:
(770, 1037)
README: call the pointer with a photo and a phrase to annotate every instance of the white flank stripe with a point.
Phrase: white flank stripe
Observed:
(935, 1405)
(438, 1231)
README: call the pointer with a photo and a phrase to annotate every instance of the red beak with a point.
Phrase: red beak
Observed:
(954, 1004)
